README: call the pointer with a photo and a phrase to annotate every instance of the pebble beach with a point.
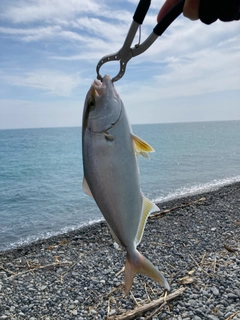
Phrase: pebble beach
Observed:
(194, 241)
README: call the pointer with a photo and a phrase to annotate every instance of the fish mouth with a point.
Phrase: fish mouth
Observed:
(100, 88)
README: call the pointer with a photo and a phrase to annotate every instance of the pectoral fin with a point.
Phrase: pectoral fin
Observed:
(147, 208)
(86, 188)
(109, 136)
(141, 147)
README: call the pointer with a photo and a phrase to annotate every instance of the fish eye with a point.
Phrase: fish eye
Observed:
(91, 103)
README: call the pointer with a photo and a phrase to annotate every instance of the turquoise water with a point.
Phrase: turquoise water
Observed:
(41, 173)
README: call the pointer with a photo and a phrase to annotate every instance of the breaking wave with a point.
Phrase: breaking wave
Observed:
(197, 189)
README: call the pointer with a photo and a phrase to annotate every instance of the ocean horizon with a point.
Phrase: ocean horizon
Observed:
(41, 173)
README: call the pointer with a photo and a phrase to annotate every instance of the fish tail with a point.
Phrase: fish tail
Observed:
(139, 264)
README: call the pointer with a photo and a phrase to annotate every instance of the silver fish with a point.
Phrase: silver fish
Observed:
(111, 175)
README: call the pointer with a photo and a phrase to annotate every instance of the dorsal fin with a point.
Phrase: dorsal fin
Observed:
(141, 147)
(147, 208)
(86, 188)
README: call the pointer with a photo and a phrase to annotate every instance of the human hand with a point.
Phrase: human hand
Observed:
(208, 11)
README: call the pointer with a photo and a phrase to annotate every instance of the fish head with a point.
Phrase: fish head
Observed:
(102, 106)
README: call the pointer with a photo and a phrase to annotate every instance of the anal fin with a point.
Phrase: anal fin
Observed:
(148, 207)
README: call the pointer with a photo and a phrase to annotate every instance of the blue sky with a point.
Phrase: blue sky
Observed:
(50, 48)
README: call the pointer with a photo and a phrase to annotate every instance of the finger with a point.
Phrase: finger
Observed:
(191, 9)
(168, 4)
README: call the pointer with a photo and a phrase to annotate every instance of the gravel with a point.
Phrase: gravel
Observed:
(76, 275)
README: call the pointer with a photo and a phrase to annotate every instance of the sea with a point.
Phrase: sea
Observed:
(41, 174)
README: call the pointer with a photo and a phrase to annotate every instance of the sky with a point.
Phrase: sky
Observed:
(49, 50)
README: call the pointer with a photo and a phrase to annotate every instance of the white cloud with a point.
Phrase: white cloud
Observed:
(108, 30)
(47, 10)
(30, 34)
(62, 12)
(51, 82)
(40, 33)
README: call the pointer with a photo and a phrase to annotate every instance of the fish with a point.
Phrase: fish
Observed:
(111, 175)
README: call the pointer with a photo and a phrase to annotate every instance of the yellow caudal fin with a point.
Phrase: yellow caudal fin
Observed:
(147, 208)
(141, 147)
(139, 264)
(86, 188)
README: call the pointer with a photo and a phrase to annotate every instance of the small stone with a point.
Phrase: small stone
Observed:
(237, 292)
(211, 317)
(215, 291)
(112, 312)
(21, 314)
(194, 296)
(219, 314)
(74, 312)
(224, 303)
(102, 313)
(200, 312)
(232, 296)
(43, 288)
(3, 275)
(24, 309)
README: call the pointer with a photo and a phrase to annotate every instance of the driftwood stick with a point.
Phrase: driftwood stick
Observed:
(62, 275)
(156, 311)
(200, 266)
(71, 267)
(6, 270)
(146, 307)
(39, 267)
(158, 214)
(119, 272)
(115, 289)
(232, 315)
